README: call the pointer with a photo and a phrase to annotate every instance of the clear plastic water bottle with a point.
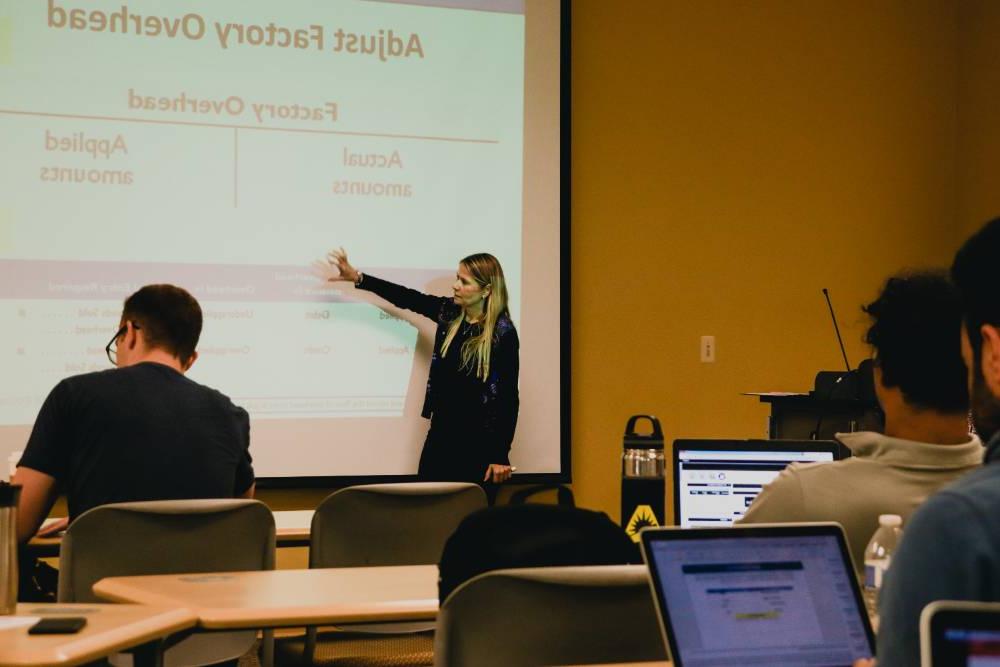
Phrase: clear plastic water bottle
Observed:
(878, 556)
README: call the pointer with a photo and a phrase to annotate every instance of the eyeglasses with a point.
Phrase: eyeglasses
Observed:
(112, 347)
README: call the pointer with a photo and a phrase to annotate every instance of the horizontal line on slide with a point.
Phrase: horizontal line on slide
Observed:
(301, 130)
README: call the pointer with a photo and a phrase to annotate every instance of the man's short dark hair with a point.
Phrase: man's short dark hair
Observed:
(168, 316)
(916, 332)
(975, 274)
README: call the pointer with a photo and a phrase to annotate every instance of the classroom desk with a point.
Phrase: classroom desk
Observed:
(291, 529)
(287, 598)
(110, 628)
(44, 547)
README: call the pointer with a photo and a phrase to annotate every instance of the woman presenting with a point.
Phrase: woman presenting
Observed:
(472, 397)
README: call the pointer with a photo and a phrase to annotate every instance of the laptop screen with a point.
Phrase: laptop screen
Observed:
(969, 647)
(960, 634)
(746, 597)
(715, 482)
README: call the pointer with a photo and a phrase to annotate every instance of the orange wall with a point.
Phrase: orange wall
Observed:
(979, 127)
(729, 160)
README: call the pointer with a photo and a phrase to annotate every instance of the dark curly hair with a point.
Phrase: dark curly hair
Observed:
(916, 336)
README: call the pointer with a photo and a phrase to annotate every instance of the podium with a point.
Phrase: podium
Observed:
(839, 403)
(797, 416)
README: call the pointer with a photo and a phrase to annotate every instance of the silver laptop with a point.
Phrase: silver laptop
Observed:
(960, 634)
(757, 595)
(716, 480)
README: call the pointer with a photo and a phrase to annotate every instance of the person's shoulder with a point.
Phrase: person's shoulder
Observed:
(105, 375)
(221, 403)
(88, 381)
(212, 401)
(819, 470)
(953, 534)
(211, 393)
(505, 327)
(815, 480)
(965, 508)
(805, 477)
(987, 474)
(449, 310)
(977, 491)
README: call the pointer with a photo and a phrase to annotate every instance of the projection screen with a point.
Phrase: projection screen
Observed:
(226, 146)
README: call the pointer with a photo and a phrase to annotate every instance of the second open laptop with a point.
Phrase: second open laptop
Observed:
(757, 595)
(960, 634)
(716, 480)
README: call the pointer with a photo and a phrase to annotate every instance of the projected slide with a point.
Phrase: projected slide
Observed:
(224, 147)
(736, 599)
(760, 600)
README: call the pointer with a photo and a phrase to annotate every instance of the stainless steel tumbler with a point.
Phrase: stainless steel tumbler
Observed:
(9, 495)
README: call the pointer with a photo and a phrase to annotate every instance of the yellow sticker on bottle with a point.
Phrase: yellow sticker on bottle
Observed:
(642, 517)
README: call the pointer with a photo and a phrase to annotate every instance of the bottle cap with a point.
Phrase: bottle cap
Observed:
(891, 520)
(635, 440)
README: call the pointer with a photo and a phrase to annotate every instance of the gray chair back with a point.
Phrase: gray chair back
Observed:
(550, 616)
(170, 537)
(387, 524)
(390, 524)
(163, 537)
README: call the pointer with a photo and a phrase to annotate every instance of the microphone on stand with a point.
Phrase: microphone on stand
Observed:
(833, 387)
(826, 294)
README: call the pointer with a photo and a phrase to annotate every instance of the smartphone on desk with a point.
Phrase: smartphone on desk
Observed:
(58, 625)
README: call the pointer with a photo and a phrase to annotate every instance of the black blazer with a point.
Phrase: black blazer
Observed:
(499, 391)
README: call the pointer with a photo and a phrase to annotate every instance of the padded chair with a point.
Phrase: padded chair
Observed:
(516, 536)
(378, 525)
(563, 495)
(171, 537)
(550, 616)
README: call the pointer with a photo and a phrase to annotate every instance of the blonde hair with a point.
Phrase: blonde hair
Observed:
(486, 271)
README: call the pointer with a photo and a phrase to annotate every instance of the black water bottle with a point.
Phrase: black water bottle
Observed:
(643, 490)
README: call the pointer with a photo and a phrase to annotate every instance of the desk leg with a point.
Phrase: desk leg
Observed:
(149, 654)
(267, 648)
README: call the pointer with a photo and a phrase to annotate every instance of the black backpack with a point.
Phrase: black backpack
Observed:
(513, 536)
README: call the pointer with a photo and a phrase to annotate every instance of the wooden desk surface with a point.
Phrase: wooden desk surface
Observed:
(291, 529)
(287, 598)
(110, 628)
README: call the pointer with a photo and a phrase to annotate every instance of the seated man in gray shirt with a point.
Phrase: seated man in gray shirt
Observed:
(920, 384)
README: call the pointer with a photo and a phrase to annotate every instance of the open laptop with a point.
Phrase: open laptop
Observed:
(960, 634)
(716, 480)
(757, 595)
